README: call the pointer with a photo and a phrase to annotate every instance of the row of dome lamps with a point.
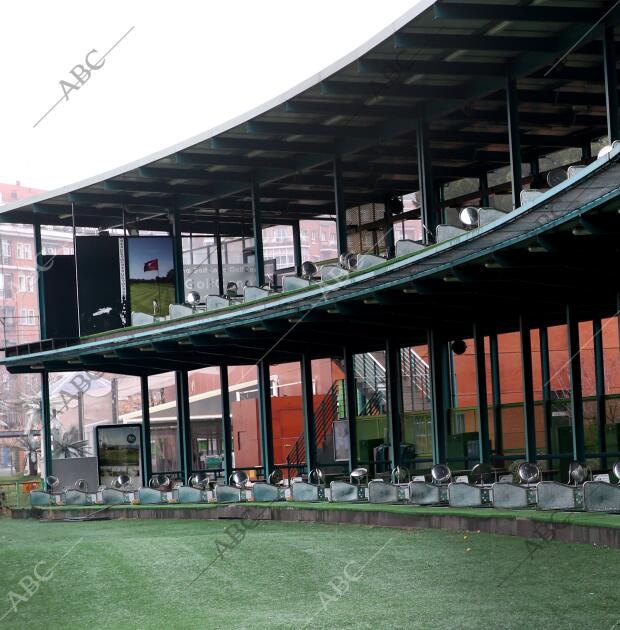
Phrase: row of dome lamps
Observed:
(483, 486)
(471, 218)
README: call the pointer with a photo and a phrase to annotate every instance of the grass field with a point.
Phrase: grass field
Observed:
(141, 295)
(191, 574)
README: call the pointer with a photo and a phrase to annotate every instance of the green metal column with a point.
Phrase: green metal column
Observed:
(546, 386)
(38, 248)
(226, 422)
(390, 245)
(351, 405)
(483, 184)
(184, 425)
(264, 416)
(599, 371)
(146, 430)
(177, 244)
(340, 209)
(576, 395)
(514, 140)
(257, 222)
(297, 254)
(307, 396)
(425, 181)
(535, 173)
(611, 83)
(395, 397)
(46, 437)
(218, 253)
(440, 389)
(481, 392)
(497, 395)
(528, 390)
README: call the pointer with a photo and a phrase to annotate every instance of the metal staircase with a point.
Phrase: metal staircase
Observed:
(326, 413)
(371, 381)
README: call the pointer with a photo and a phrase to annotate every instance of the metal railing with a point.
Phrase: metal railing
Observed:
(14, 494)
(324, 416)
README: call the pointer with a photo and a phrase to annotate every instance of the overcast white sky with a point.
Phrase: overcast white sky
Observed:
(185, 67)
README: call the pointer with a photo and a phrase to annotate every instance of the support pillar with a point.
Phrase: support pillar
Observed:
(546, 386)
(497, 395)
(528, 390)
(177, 251)
(395, 397)
(183, 417)
(425, 182)
(307, 396)
(351, 406)
(264, 416)
(146, 431)
(257, 223)
(599, 371)
(483, 184)
(38, 248)
(481, 391)
(611, 84)
(226, 423)
(218, 253)
(390, 245)
(440, 388)
(514, 140)
(297, 254)
(46, 432)
(339, 207)
(576, 395)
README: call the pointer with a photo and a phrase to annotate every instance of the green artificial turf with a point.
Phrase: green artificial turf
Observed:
(192, 574)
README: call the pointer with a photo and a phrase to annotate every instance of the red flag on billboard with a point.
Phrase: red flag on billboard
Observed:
(151, 265)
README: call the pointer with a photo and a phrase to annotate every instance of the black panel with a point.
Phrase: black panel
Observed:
(102, 283)
(60, 297)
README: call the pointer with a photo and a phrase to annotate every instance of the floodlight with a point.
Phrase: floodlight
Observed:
(358, 474)
(529, 472)
(193, 298)
(317, 473)
(469, 216)
(577, 473)
(556, 177)
(275, 477)
(232, 290)
(121, 482)
(308, 270)
(400, 474)
(160, 482)
(51, 481)
(81, 485)
(199, 480)
(458, 346)
(239, 478)
(348, 260)
(617, 470)
(441, 473)
(482, 470)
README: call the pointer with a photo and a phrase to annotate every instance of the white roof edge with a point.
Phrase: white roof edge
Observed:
(388, 31)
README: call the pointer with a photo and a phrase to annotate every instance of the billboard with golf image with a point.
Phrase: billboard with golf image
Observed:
(151, 274)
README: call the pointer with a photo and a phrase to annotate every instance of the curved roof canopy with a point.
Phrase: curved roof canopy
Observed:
(443, 63)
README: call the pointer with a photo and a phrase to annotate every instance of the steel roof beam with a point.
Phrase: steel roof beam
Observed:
(499, 43)
(515, 13)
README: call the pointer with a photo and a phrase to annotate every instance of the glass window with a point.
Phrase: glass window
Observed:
(205, 404)
(331, 423)
(243, 393)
